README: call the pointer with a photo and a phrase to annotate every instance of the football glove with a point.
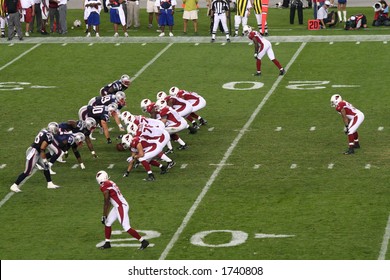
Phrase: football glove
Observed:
(104, 218)
(346, 129)
(82, 166)
(126, 174)
(109, 141)
(255, 55)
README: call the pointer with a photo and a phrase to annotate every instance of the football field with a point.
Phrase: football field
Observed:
(264, 180)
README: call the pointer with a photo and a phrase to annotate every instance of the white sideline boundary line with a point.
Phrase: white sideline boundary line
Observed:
(385, 241)
(19, 57)
(230, 150)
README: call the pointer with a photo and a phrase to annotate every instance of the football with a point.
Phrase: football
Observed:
(77, 23)
(119, 147)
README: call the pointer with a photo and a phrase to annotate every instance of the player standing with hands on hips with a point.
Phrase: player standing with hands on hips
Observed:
(352, 119)
(119, 211)
(262, 47)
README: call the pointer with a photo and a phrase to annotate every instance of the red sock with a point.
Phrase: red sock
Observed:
(258, 65)
(146, 165)
(107, 232)
(351, 140)
(276, 62)
(134, 233)
(155, 163)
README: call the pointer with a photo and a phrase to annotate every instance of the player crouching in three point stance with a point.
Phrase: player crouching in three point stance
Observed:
(119, 211)
(262, 47)
(352, 119)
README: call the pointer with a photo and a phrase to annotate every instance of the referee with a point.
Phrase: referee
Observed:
(219, 10)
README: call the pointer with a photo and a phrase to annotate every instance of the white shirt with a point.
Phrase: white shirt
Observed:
(322, 13)
(27, 3)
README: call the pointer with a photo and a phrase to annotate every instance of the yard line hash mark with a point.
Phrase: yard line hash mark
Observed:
(227, 154)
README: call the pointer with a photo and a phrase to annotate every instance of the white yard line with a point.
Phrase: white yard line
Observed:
(385, 241)
(19, 57)
(221, 164)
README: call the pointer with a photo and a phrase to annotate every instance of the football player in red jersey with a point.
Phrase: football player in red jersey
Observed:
(119, 211)
(143, 151)
(262, 47)
(352, 119)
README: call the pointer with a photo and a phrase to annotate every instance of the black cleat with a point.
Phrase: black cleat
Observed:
(212, 40)
(163, 169)
(144, 244)
(192, 129)
(150, 177)
(350, 151)
(228, 40)
(183, 147)
(106, 245)
(257, 74)
(202, 121)
(169, 151)
(171, 164)
(356, 146)
(282, 72)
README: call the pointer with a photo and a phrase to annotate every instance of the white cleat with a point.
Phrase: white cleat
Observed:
(51, 185)
(15, 188)
(170, 34)
(116, 34)
(38, 166)
(126, 34)
(52, 172)
(162, 34)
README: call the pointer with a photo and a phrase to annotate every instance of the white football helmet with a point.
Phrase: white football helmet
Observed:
(101, 177)
(130, 119)
(124, 115)
(247, 29)
(79, 137)
(132, 129)
(112, 108)
(335, 99)
(145, 103)
(126, 141)
(173, 91)
(90, 123)
(53, 127)
(161, 95)
(160, 104)
(125, 79)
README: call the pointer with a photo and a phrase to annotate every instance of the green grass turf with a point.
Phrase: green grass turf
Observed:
(330, 213)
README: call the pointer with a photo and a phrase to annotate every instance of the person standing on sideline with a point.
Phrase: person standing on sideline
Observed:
(132, 7)
(167, 9)
(62, 11)
(243, 8)
(117, 16)
(28, 9)
(53, 13)
(36, 154)
(262, 47)
(37, 17)
(257, 7)
(119, 211)
(14, 10)
(342, 8)
(152, 10)
(95, 6)
(219, 10)
(190, 13)
(352, 119)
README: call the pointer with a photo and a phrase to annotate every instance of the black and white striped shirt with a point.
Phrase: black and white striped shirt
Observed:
(219, 6)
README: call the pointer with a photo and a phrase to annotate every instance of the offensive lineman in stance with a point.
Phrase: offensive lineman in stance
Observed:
(352, 119)
(119, 211)
(262, 47)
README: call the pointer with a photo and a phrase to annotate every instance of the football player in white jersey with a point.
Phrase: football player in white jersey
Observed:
(352, 119)
(119, 211)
